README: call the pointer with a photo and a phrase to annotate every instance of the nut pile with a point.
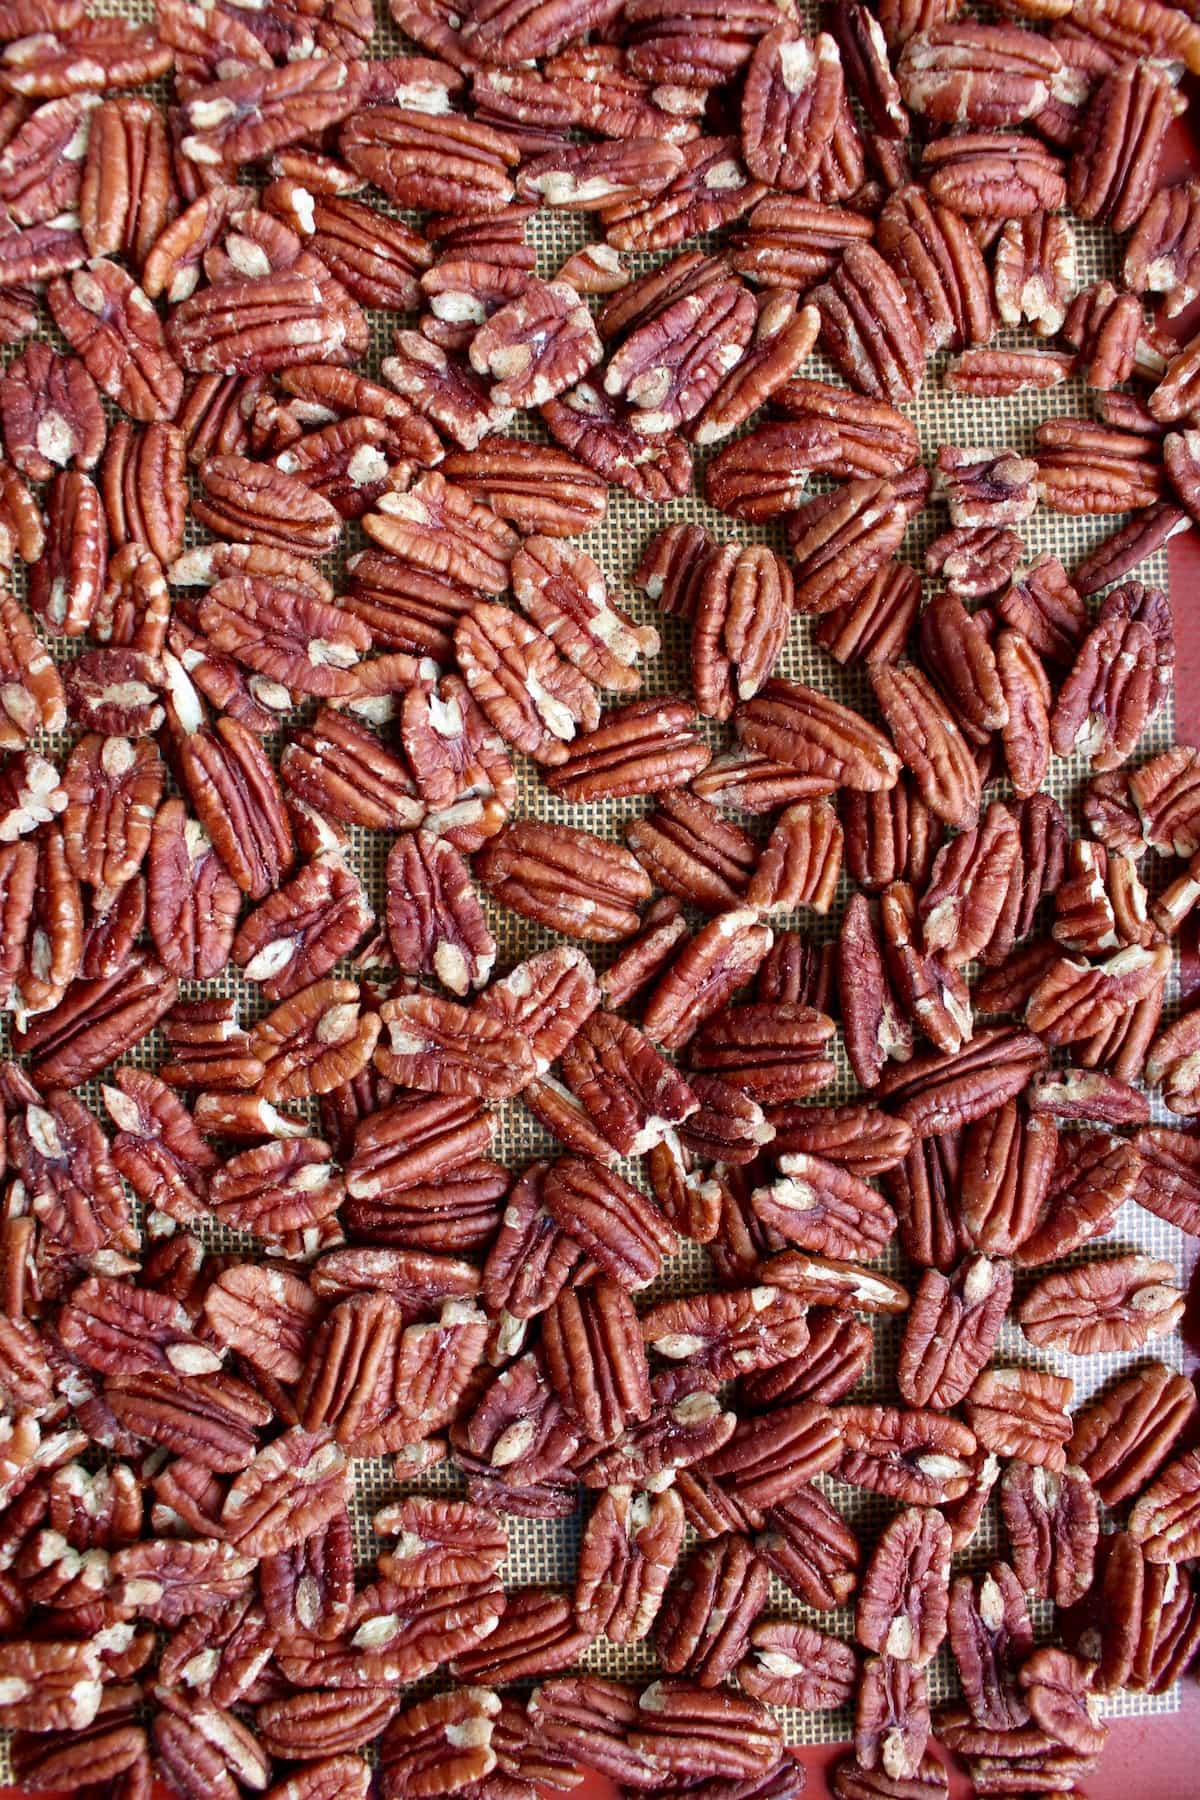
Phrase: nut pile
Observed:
(178, 1588)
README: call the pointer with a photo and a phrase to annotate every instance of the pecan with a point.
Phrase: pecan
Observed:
(891, 1720)
(113, 786)
(280, 1187)
(1120, 1305)
(784, 333)
(941, 269)
(808, 731)
(952, 1330)
(692, 1732)
(66, 582)
(991, 374)
(442, 1745)
(990, 1634)
(903, 1601)
(994, 175)
(712, 966)
(51, 414)
(445, 162)
(704, 1623)
(565, 594)
(989, 75)
(968, 886)
(537, 488)
(772, 1053)
(855, 1136)
(435, 922)
(925, 1190)
(890, 836)
(1113, 170)
(31, 794)
(793, 241)
(439, 1047)
(587, 422)
(790, 103)
(1085, 468)
(917, 1456)
(711, 190)
(31, 692)
(96, 1021)
(868, 326)
(193, 903)
(1057, 1689)
(1121, 1439)
(810, 1547)
(344, 770)
(874, 626)
(929, 742)
(1022, 1412)
(1160, 254)
(314, 1040)
(1075, 1000)
(626, 1555)
(790, 1664)
(1053, 1526)
(825, 1208)
(43, 957)
(1007, 1164)
(1163, 1520)
(1104, 327)
(158, 1148)
(115, 331)
(50, 1686)
(565, 878)
(587, 177)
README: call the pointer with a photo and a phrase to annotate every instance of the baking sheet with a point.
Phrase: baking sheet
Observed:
(544, 1551)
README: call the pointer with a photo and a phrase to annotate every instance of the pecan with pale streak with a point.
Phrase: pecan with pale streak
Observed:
(929, 742)
(903, 1602)
(917, 1456)
(314, 1040)
(435, 922)
(115, 331)
(807, 730)
(784, 333)
(535, 699)
(566, 878)
(868, 326)
(439, 1047)
(790, 1664)
(873, 626)
(66, 581)
(951, 1330)
(712, 190)
(645, 746)
(704, 1623)
(1022, 1412)
(446, 163)
(792, 241)
(1123, 1437)
(940, 267)
(51, 414)
(1120, 1304)
(345, 771)
(1085, 468)
(790, 102)
(626, 1556)
(96, 1021)
(565, 594)
(31, 691)
(825, 1208)
(591, 425)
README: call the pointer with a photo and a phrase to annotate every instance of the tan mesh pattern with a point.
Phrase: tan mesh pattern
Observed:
(544, 1551)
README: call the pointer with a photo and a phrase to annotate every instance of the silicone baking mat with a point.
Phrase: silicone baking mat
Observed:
(544, 1551)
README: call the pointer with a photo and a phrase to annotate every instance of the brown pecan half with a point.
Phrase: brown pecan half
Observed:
(868, 327)
(704, 1623)
(1120, 1304)
(1113, 170)
(902, 1604)
(790, 1664)
(929, 742)
(990, 1635)
(951, 1330)
(917, 1456)
(565, 878)
(115, 331)
(1053, 1527)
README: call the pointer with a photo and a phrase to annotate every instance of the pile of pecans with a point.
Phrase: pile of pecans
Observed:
(178, 1591)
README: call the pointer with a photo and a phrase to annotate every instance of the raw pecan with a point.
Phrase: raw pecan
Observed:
(810, 1547)
(565, 878)
(113, 787)
(991, 374)
(698, 1734)
(825, 1208)
(96, 1021)
(1085, 468)
(1120, 1305)
(941, 269)
(1164, 1518)
(587, 422)
(891, 1719)
(1160, 255)
(1007, 1162)
(41, 162)
(790, 1664)
(917, 1456)
(1053, 1527)
(1113, 170)
(1075, 1000)
(790, 102)
(193, 903)
(314, 1040)
(50, 411)
(704, 1623)
(50, 1686)
(929, 742)
(868, 327)
(115, 331)
(441, 162)
(902, 1604)
(990, 1635)
(442, 1745)
(65, 583)
(994, 175)
(1057, 1688)
(808, 731)
(792, 241)
(626, 1556)
(435, 922)
(951, 1330)
(712, 190)
(439, 1047)
(565, 595)
(31, 691)
(342, 769)
(1022, 1412)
